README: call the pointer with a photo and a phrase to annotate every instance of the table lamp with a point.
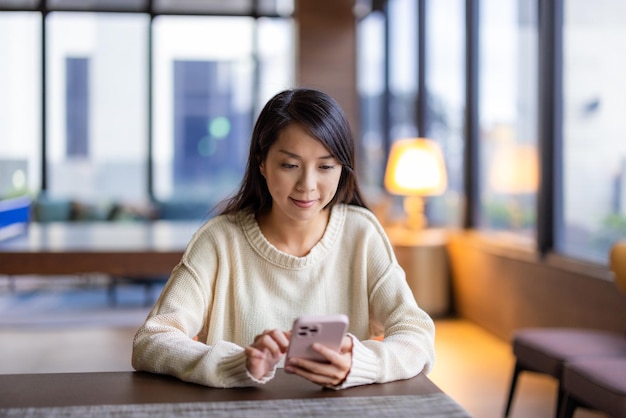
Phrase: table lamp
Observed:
(415, 169)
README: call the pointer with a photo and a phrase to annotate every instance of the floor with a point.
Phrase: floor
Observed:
(472, 366)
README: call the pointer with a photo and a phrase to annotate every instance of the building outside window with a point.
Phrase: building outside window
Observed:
(97, 106)
(508, 160)
(205, 96)
(77, 105)
(445, 97)
(592, 213)
(371, 90)
(20, 103)
(196, 85)
(142, 109)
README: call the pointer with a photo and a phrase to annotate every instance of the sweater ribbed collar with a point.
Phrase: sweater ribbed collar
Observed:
(272, 254)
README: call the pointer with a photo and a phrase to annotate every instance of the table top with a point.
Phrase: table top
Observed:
(102, 237)
(115, 394)
(116, 248)
(66, 389)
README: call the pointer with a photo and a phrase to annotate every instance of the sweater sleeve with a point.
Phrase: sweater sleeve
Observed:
(408, 344)
(165, 343)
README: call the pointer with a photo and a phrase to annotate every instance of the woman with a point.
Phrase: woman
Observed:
(296, 239)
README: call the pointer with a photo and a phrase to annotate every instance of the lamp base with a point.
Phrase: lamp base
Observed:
(414, 209)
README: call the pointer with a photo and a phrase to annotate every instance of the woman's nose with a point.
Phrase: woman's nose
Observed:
(307, 181)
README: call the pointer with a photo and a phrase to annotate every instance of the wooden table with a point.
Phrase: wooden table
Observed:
(115, 248)
(145, 389)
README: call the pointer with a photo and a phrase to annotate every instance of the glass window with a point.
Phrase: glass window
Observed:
(20, 103)
(508, 117)
(117, 5)
(388, 93)
(594, 148)
(20, 4)
(232, 7)
(204, 6)
(276, 58)
(403, 68)
(97, 106)
(371, 90)
(204, 103)
(445, 90)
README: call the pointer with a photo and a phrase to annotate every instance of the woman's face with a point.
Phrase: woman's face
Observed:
(301, 174)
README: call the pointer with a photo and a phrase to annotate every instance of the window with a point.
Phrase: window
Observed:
(371, 89)
(403, 68)
(20, 103)
(197, 87)
(445, 87)
(275, 57)
(593, 210)
(508, 160)
(137, 108)
(204, 102)
(97, 106)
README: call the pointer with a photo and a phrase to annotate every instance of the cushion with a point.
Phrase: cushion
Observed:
(545, 349)
(598, 382)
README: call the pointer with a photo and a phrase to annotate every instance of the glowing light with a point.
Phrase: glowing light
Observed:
(219, 127)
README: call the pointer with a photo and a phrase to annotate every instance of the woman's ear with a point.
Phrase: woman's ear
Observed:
(262, 168)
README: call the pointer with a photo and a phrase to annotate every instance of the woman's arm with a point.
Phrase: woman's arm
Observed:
(165, 342)
(408, 344)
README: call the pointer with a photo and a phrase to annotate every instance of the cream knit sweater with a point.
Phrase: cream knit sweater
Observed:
(231, 284)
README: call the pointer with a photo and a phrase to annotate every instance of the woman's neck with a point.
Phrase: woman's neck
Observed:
(293, 237)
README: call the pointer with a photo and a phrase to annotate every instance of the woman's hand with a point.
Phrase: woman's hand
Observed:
(265, 352)
(332, 373)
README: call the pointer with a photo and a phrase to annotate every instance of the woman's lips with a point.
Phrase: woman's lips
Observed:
(304, 204)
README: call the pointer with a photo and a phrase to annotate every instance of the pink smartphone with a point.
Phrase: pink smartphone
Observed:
(324, 329)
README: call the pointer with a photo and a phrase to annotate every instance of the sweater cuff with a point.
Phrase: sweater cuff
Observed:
(364, 369)
(235, 372)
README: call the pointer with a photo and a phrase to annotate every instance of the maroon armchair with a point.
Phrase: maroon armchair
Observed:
(598, 383)
(574, 356)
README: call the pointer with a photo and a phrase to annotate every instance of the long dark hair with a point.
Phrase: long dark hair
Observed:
(324, 120)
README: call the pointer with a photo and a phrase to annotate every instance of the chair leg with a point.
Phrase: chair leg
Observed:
(567, 406)
(560, 396)
(516, 371)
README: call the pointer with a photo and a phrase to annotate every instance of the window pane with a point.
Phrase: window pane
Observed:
(371, 88)
(203, 105)
(508, 116)
(97, 106)
(115, 5)
(594, 148)
(20, 4)
(445, 86)
(276, 58)
(403, 68)
(401, 109)
(280, 7)
(20, 103)
(205, 6)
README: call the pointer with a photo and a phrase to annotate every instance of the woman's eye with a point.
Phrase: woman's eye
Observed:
(287, 165)
(327, 167)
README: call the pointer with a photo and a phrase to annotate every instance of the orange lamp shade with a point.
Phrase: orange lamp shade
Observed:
(416, 167)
